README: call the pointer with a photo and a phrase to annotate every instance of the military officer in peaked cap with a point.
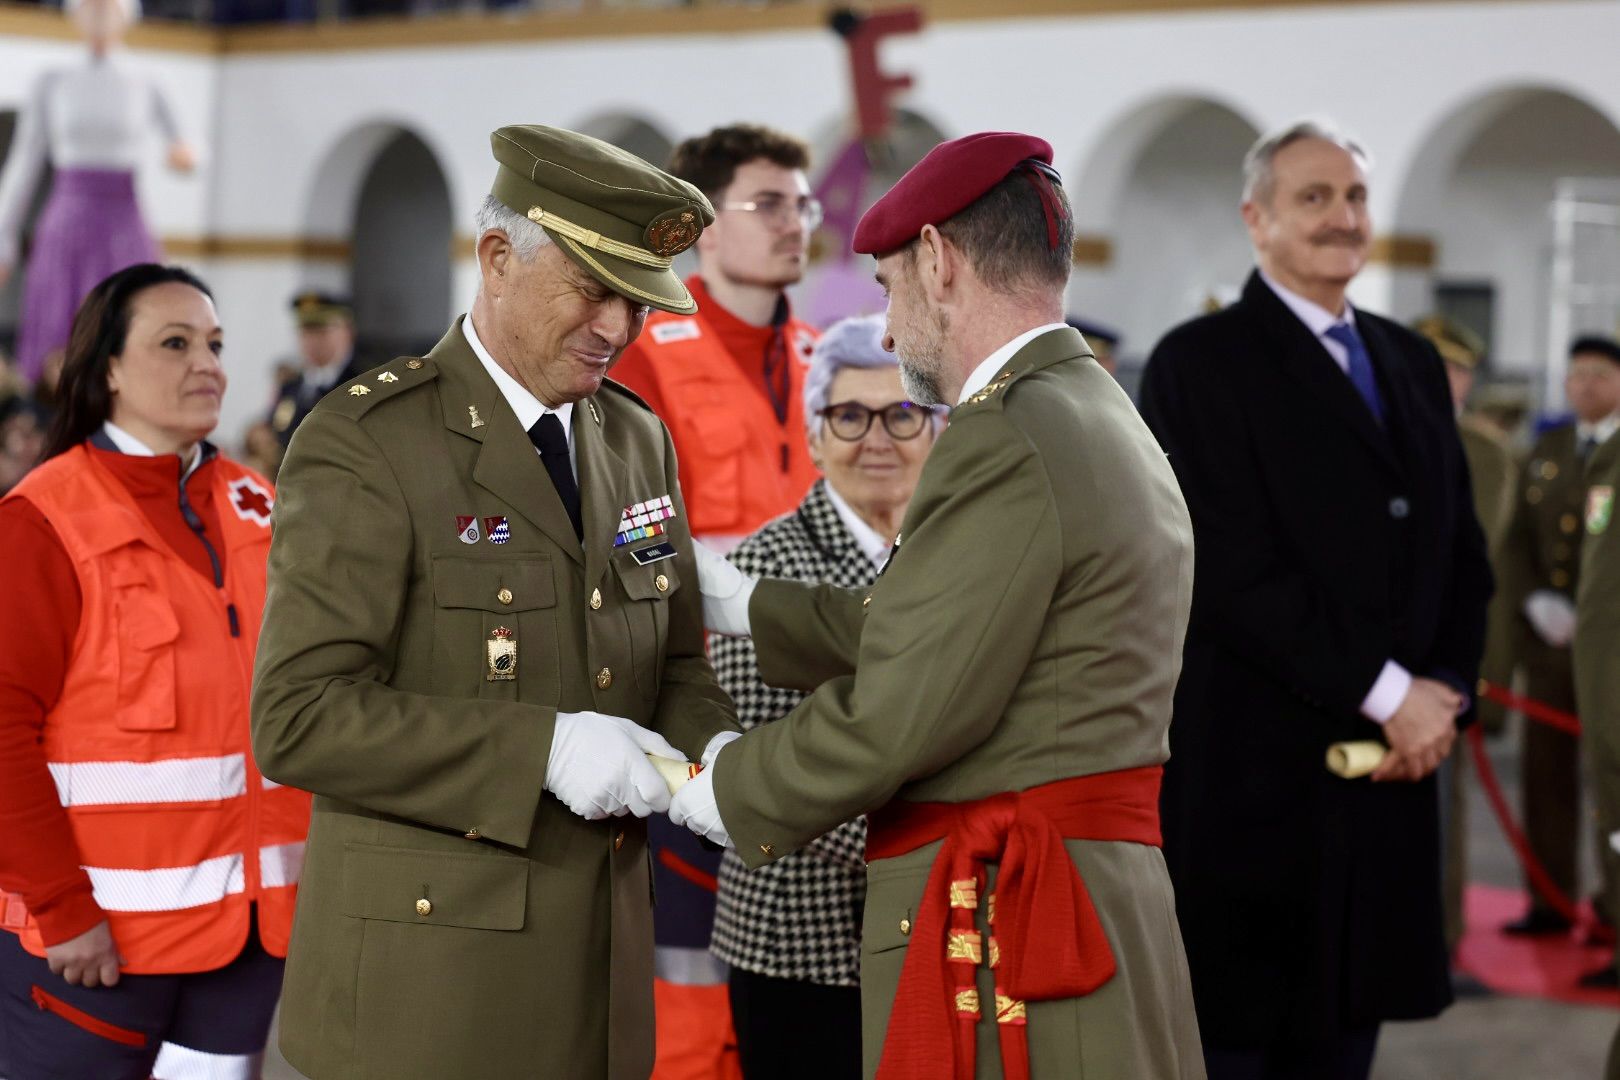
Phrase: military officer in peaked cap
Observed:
(1005, 687)
(326, 349)
(482, 616)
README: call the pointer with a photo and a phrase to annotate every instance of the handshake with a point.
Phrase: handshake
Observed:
(601, 767)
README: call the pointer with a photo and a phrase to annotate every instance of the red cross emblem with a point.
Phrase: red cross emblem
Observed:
(251, 502)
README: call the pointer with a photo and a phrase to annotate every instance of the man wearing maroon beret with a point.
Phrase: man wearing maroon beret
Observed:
(999, 702)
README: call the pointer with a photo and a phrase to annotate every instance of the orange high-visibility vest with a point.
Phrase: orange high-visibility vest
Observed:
(739, 466)
(149, 743)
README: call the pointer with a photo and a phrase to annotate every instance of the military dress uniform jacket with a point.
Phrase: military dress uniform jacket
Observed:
(456, 921)
(1597, 657)
(1027, 630)
(1327, 544)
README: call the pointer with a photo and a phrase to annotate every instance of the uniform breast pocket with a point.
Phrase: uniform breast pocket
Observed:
(147, 635)
(495, 628)
(648, 587)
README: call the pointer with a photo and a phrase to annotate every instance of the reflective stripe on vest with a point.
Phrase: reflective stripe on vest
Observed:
(148, 744)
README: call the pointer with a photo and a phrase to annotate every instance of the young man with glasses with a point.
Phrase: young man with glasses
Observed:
(729, 383)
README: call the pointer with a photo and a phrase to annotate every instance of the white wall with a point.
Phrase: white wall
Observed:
(1395, 74)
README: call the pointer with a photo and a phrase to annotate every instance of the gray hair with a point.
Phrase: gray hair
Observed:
(527, 238)
(848, 343)
(1259, 179)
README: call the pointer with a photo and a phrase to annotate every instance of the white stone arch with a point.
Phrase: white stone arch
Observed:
(382, 192)
(1158, 229)
(1478, 188)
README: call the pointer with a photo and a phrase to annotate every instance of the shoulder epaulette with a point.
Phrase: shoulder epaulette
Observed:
(624, 391)
(365, 392)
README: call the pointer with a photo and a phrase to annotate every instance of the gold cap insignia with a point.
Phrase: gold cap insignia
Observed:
(388, 376)
(672, 232)
(359, 391)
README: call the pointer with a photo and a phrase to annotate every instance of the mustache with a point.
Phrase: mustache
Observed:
(1350, 237)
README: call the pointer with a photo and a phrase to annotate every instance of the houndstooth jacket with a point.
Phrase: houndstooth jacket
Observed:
(799, 917)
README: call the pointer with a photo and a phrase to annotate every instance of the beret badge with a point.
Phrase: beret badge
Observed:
(672, 232)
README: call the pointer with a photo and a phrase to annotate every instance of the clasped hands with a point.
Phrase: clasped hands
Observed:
(1421, 732)
(599, 769)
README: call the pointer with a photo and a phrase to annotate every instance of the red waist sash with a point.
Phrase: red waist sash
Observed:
(1038, 889)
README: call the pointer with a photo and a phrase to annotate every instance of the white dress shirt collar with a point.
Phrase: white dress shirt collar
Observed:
(981, 375)
(869, 540)
(1317, 319)
(324, 378)
(1599, 430)
(528, 408)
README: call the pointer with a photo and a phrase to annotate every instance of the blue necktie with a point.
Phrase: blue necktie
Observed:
(1361, 369)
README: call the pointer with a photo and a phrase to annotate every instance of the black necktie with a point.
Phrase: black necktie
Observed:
(1584, 448)
(548, 438)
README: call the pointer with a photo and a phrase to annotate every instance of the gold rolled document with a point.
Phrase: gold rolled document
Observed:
(675, 773)
(1353, 759)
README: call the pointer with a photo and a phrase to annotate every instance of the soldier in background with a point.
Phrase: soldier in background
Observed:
(1540, 561)
(326, 343)
(1494, 473)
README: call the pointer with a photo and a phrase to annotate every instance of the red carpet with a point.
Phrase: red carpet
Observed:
(1545, 967)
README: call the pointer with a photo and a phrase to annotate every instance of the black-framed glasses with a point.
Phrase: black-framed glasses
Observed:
(806, 210)
(850, 420)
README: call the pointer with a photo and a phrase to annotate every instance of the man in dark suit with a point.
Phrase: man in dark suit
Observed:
(1339, 594)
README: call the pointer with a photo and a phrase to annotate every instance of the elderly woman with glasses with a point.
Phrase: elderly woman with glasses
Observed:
(791, 931)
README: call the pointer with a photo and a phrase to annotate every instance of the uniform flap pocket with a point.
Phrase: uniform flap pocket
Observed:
(654, 580)
(515, 582)
(145, 617)
(892, 902)
(435, 888)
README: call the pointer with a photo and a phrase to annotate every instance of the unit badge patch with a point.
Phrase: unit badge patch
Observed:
(1599, 508)
(497, 530)
(467, 529)
(251, 502)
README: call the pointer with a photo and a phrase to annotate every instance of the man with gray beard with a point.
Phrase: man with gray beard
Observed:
(1005, 686)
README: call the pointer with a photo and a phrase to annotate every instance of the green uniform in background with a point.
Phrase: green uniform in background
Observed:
(1028, 629)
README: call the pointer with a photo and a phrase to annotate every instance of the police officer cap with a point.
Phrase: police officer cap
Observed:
(1455, 343)
(315, 308)
(949, 179)
(1596, 345)
(621, 219)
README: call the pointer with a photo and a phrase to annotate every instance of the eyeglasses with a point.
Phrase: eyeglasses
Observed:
(850, 420)
(807, 211)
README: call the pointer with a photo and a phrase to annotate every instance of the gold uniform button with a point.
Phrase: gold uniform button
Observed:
(618, 840)
(1560, 579)
(905, 926)
(1549, 470)
(1568, 524)
(767, 849)
(596, 599)
(414, 365)
(661, 583)
(604, 678)
(424, 907)
(504, 596)
(473, 834)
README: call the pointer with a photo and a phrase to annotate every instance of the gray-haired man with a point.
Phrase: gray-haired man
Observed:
(1339, 595)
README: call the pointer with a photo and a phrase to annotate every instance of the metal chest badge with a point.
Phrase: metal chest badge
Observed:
(466, 529)
(1599, 508)
(501, 653)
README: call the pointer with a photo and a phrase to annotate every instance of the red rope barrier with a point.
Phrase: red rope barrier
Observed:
(1540, 880)
(1539, 711)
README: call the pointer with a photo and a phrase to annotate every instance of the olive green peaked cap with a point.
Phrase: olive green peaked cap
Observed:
(618, 217)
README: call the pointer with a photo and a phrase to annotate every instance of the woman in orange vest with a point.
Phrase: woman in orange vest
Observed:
(147, 870)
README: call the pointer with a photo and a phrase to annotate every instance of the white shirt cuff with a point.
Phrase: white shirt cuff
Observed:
(717, 743)
(1387, 693)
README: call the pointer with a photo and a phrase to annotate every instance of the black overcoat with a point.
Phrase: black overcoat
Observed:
(1325, 545)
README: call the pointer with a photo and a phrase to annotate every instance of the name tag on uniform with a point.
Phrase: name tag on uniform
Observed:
(655, 553)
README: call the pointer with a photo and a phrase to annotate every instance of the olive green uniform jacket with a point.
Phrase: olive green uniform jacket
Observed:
(1028, 629)
(454, 920)
(1597, 662)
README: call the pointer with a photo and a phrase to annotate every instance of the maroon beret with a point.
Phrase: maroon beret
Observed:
(947, 181)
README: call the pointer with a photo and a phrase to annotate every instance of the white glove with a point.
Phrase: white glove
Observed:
(1552, 615)
(599, 766)
(726, 591)
(715, 745)
(695, 808)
